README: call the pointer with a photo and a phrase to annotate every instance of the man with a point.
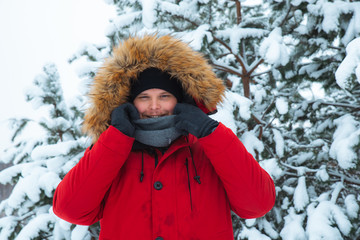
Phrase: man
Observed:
(159, 167)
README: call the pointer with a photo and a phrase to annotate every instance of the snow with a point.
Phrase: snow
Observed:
(285, 203)
(252, 143)
(48, 182)
(288, 190)
(268, 229)
(258, 93)
(26, 187)
(250, 222)
(148, 13)
(322, 174)
(252, 234)
(61, 148)
(187, 9)
(64, 224)
(235, 80)
(324, 125)
(296, 2)
(90, 49)
(225, 114)
(169, 7)
(125, 20)
(301, 158)
(59, 123)
(282, 105)
(301, 197)
(346, 136)
(293, 227)
(31, 142)
(352, 30)
(9, 173)
(243, 103)
(7, 225)
(225, 109)
(317, 143)
(326, 221)
(55, 164)
(195, 38)
(309, 68)
(32, 91)
(60, 233)
(273, 50)
(302, 29)
(351, 206)
(82, 66)
(80, 232)
(236, 34)
(335, 193)
(70, 164)
(350, 65)
(68, 231)
(332, 13)
(279, 141)
(272, 167)
(37, 224)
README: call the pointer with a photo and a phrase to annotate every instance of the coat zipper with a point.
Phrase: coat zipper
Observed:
(156, 159)
(187, 170)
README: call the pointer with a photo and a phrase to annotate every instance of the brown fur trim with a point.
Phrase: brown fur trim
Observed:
(112, 82)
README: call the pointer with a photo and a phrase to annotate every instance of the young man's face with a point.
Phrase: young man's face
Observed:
(154, 103)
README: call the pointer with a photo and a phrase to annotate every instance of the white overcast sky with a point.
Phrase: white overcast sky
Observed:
(35, 32)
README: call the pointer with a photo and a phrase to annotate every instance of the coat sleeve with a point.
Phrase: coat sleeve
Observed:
(250, 189)
(79, 196)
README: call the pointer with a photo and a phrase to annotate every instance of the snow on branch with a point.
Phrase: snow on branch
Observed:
(186, 10)
(236, 34)
(345, 105)
(350, 65)
(40, 223)
(327, 221)
(321, 173)
(126, 19)
(273, 50)
(346, 137)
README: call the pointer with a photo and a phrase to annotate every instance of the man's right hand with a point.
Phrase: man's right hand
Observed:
(122, 118)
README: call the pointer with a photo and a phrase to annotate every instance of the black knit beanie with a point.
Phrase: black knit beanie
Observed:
(155, 78)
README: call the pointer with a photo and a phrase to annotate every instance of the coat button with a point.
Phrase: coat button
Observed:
(159, 238)
(158, 186)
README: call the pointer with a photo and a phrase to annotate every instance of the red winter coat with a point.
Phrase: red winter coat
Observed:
(169, 203)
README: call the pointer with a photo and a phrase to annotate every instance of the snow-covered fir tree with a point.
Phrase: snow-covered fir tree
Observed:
(43, 151)
(292, 69)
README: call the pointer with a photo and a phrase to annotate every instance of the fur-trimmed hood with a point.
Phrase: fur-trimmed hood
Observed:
(112, 83)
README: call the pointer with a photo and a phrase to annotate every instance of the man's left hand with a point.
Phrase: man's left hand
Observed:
(192, 120)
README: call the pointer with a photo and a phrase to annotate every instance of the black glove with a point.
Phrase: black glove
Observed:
(122, 118)
(192, 120)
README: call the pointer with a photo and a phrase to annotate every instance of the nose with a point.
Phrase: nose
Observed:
(154, 104)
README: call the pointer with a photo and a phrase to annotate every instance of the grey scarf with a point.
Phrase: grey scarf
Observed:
(156, 132)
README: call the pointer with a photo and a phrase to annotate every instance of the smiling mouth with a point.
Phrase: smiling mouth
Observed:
(154, 116)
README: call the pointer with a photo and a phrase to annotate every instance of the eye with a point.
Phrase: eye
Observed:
(143, 97)
(165, 96)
